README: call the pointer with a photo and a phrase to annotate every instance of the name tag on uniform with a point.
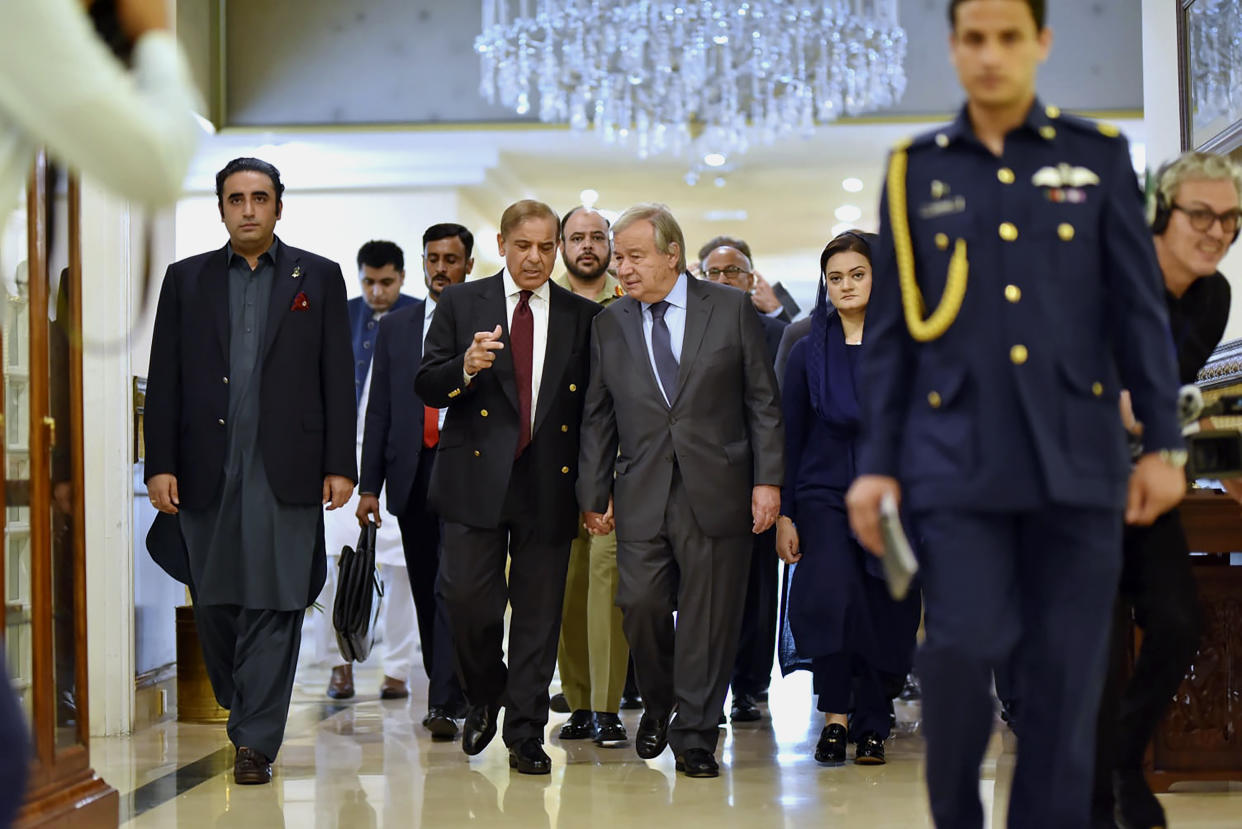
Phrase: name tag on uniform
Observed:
(943, 207)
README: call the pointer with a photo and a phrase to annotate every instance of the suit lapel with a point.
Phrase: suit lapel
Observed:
(556, 353)
(495, 309)
(213, 287)
(632, 330)
(284, 289)
(698, 313)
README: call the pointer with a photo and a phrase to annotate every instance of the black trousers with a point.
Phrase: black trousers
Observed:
(472, 582)
(1158, 588)
(420, 541)
(704, 580)
(251, 657)
(15, 756)
(756, 645)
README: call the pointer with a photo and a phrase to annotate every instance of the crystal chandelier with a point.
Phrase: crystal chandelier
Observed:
(713, 76)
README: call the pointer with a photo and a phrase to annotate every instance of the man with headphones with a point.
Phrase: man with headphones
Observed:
(1195, 218)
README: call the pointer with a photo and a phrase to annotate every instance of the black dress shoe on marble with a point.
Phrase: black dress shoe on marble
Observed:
(1137, 807)
(652, 736)
(609, 730)
(830, 750)
(579, 726)
(698, 762)
(479, 728)
(631, 702)
(440, 722)
(250, 768)
(528, 757)
(558, 704)
(870, 750)
(745, 709)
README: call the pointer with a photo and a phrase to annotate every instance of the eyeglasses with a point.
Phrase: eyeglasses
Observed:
(729, 272)
(1202, 219)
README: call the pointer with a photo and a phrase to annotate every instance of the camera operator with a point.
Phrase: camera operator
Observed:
(1195, 219)
(63, 86)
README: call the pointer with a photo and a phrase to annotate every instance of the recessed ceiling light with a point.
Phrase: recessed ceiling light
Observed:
(725, 216)
(714, 159)
(852, 185)
(848, 213)
(588, 197)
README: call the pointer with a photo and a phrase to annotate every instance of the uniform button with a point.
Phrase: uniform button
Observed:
(370, 323)
(220, 421)
(226, 380)
(564, 427)
(933, 399)
(476, 453)
(1018, 355)
(1066, 231)
(1005, 175)
(942, 241)
(1048, 132)
(564, 470)
(1013, 293)
(367, 344)
(1008, 231)
(1052, 111)
(942, 140)
(483, 412)
(572, 387)
(1097, 388)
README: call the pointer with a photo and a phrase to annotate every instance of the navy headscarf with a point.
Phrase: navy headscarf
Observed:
(830, 377)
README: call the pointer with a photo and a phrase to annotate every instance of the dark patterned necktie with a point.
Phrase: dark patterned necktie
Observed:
(522, 338)
(662, 348)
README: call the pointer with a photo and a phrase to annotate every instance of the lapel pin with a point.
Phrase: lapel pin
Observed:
(297, 271)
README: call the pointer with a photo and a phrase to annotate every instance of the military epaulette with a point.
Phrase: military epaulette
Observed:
(1081, 124)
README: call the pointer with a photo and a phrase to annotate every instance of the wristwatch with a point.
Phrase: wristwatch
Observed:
(1174, 457)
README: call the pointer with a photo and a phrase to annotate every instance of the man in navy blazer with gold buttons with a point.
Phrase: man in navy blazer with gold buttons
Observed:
(996, 418)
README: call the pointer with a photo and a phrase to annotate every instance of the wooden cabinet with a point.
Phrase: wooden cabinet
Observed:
(43, 577)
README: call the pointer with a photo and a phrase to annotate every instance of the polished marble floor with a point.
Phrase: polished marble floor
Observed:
(369, 763)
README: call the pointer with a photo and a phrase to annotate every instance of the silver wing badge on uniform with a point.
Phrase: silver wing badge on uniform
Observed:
(1064, 175)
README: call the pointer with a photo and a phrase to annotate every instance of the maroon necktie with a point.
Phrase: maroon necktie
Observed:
(522, 338)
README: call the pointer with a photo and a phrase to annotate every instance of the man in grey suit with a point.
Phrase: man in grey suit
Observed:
(682, 385)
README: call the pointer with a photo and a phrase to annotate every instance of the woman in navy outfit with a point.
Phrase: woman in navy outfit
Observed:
(858, 641)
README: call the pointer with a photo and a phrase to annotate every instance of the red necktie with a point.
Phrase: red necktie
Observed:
(522, 338)
(431, 426)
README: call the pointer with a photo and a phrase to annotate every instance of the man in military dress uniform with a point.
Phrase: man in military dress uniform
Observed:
(996, 417)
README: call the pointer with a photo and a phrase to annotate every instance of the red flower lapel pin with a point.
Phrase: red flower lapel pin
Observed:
(300, 302)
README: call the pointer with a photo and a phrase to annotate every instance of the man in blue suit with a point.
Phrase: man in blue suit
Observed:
(398, 450)
(381, 272)
(996, 418)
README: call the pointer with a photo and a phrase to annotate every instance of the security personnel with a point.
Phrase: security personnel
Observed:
(1023, 231)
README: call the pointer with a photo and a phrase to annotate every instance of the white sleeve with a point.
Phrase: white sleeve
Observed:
(135, 133)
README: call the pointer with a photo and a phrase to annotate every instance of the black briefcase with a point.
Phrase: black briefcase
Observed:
(358, 598)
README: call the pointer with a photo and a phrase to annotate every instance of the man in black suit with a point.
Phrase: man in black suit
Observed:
(682, 386)
(508, 356)
(399, 450)
(756, 648)
(249, 430)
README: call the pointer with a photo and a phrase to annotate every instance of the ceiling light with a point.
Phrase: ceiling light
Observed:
(588, 197)
(848, 213)
(852, 185)
(714, 159)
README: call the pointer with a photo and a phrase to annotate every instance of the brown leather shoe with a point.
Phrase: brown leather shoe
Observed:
(393, 688)
(341, 686)
(251, 768)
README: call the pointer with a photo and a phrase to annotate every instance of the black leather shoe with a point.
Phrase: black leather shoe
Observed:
(440, 722)
(870, 750)
(830, 750)
(251, 768)
(558, 704)
(479, 728)
(609, 731)
(652, 736)
(528, 757)
(579, 726)
(745, 709)
(698, 762)
(1137, 807)
(631, 702)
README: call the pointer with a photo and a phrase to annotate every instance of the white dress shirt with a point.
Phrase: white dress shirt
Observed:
(675, 319)
(539, 302)
(134, 132)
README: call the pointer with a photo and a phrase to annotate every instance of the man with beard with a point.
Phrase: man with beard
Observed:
(593, 653)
